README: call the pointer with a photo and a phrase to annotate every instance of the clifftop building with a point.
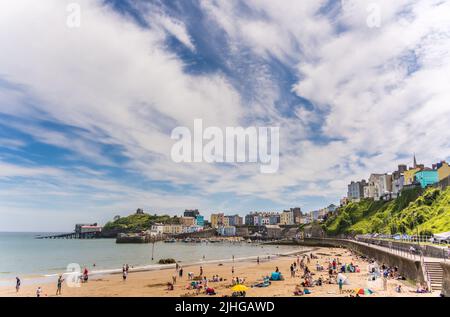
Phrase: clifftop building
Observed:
(191, 213)
(356, 190)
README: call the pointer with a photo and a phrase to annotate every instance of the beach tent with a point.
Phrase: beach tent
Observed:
(343, 278)
(363, 291)
(276, 276)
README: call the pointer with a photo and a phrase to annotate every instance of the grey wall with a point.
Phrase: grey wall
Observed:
(446, 279)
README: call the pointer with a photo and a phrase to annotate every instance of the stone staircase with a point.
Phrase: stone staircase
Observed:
(435, 274)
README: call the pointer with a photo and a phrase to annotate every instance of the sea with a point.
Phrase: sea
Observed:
(21, 254)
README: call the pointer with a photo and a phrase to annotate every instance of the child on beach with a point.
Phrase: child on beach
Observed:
(341, 283)
(38, 292)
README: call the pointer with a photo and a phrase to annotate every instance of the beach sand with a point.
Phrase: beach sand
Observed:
(154, 283)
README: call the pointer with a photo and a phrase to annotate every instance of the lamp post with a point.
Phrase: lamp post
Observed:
(153, 246)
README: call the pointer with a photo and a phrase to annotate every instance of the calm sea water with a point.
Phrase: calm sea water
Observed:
(22, 254)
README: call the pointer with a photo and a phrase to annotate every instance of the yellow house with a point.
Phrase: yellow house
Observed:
(217, 219)
(173, 229)
(187, 221)
(444, 171)
(409, 175)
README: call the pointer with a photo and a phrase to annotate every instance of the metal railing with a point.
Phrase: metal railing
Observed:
(424, 239)
(409, 250)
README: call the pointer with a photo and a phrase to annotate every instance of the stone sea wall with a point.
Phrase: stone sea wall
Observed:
(446, 279)
(409, 268)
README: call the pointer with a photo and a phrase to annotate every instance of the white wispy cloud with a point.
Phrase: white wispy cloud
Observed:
(375, 93)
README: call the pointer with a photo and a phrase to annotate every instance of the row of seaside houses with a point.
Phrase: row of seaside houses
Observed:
(389, 185)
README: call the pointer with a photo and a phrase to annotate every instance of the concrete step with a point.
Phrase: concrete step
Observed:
(435, 274)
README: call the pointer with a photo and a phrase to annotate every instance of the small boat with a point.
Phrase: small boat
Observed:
(170, 240)
(187, 240)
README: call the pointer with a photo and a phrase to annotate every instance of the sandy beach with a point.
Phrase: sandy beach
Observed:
(154, 283)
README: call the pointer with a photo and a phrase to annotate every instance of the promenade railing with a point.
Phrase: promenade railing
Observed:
(410, 248)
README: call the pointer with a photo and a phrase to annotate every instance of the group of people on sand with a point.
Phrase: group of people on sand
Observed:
(125, 269)
(39, 290)
(196, 283)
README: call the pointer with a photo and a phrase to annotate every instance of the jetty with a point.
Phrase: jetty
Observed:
(82, 231)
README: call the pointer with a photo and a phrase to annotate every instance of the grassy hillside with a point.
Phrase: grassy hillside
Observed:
(427, 212)
(137, 222)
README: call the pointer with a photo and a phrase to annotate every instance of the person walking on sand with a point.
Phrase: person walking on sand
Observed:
(232, 270)
(85, 275)
(17, 284)
(341, 283)
(180, 272)
(257, 260)
(38, 292)
(59, 285)
(201, 271)
(233, 258)
(127, 267)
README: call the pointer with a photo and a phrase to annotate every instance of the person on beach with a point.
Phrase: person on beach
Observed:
(201, 271)
(177, 266)
(233, 258)
(59, 285)
(292, 271)
(127, 267)
(257, 260)
(38, 292)
(385, 282)
(180, 272)
(232, 270)
(174, 279)
(341, 283)
(85, 275)
(124, 275)
(17, 284)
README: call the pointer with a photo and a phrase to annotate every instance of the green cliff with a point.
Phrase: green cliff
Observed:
(135, 223)
(414, 211)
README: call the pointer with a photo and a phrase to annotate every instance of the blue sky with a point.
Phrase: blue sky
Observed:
(86, 113)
